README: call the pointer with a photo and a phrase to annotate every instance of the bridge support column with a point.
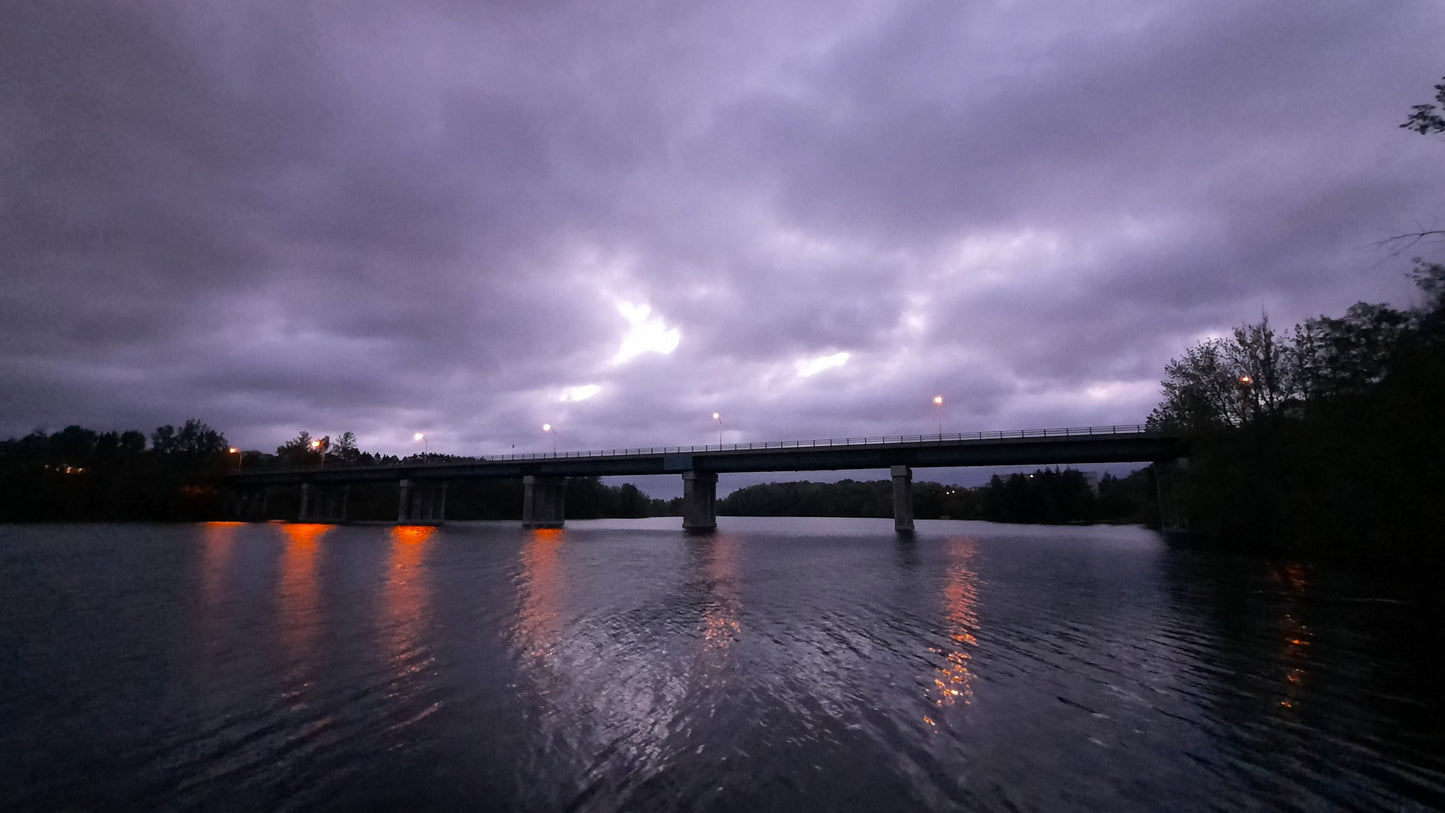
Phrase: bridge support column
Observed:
(403, 502)
(304, 515)
(699, 501)
(439, 505)
(1171, 518)
(544, 501)
(902, 499)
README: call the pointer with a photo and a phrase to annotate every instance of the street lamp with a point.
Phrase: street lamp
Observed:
(1246, 391)
(237, 452)
(547, 427)
(316, 447)
(938, 402)
(425, 447)
(718, 418)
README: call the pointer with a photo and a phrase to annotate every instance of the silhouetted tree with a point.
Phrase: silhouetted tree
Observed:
(1426, 118)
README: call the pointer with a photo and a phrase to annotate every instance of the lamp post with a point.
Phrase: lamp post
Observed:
(718, 418)
(316, 447)
(425, 446)
(237, 452)
(938, 402)
(547, 427)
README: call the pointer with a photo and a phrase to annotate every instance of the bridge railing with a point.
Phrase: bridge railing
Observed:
(823, 443)
(818, 443)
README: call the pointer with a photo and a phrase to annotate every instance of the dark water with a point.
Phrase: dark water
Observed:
(779, 665)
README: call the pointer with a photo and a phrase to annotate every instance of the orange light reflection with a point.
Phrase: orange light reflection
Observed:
(721, 627)
(1294, 581)
(299, 603)
(541, 589)
(218, 538)
(953, 681)
(405, 597)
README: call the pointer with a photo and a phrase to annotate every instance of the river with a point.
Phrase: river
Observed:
(780, 664)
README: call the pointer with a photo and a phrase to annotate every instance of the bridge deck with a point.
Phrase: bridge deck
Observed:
(1065, 446)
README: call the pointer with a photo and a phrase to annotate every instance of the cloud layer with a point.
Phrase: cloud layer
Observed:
(471, 219)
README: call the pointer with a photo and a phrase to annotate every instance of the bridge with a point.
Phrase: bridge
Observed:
(422, 486)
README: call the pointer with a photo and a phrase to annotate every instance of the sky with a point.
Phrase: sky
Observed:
(470, 219)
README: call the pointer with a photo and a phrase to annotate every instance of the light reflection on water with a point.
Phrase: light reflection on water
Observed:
(776, 665)
(954, 682)
(298, 604)
(405, 600)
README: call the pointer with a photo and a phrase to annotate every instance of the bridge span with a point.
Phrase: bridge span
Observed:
(422, 485)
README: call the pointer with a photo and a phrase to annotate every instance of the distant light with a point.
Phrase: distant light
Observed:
(546, 427)
(938, 399)
(316, 444)
(232, 450)
(716, 417)
(418, 436)
(1246, 380)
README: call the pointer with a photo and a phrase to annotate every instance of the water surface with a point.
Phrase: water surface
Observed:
(776, 665)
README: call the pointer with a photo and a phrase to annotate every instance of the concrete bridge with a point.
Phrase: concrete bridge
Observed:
(422, 486)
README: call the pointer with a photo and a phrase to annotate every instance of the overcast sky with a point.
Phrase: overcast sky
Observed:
(469, 219)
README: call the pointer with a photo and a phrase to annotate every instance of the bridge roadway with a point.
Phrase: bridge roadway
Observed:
(422, 485)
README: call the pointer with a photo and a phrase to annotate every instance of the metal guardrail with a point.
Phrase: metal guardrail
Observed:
(960, 437)
(715, 448)
(880, 440)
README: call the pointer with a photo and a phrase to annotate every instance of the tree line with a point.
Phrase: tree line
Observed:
(1050, 496)
(175, 474)
(79, 474)
(1327, 438)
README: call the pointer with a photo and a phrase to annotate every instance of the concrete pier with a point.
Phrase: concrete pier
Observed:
(699, 501)
(544, 501)
(902, 499)
(403, 502)
(424, 502)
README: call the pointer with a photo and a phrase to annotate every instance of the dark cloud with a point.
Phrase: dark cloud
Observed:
(459, 218)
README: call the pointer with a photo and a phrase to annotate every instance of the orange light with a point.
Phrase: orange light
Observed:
(412, 534)
(305, 533)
